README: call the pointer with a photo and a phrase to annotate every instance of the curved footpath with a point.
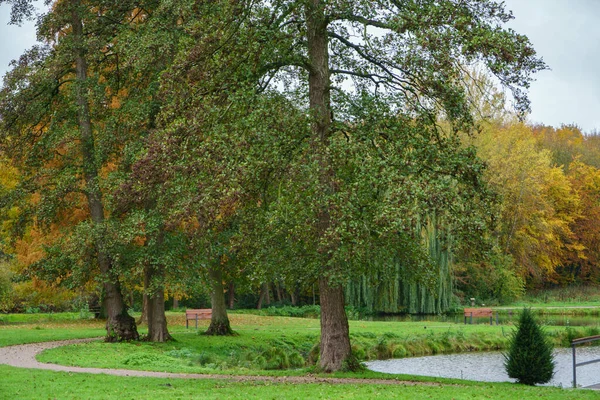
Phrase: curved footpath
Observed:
(23, 356)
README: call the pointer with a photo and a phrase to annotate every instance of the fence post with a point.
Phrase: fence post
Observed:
(574, 367)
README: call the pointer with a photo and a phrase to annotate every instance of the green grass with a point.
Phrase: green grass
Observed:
(278, 343)
(281, 345)
(257, 337)
(36, 384)
(43, 332)
(556, 308)
(573, 296)
(10, 319)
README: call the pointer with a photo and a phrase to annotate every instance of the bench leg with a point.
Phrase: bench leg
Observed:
(491, 322)
(186, 322)
(471, 321)
(196, 321)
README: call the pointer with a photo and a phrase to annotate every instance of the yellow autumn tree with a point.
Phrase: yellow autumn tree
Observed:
(583, 264)
(538, 204)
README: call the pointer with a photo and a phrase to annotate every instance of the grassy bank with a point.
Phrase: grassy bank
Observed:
(278, 343)
(290, 345)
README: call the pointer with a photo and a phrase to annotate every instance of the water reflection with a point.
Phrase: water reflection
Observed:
(489, 367)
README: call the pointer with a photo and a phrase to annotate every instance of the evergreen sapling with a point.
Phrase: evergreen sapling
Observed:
(529, 359)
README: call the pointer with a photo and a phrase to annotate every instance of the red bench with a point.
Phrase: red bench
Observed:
(195, 315)
(478, 312)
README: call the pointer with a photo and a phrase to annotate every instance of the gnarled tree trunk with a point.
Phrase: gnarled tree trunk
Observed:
(335, 338)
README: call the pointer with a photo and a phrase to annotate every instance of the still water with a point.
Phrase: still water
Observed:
(489, 367)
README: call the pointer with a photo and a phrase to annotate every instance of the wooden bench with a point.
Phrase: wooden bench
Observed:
(479, 312)
(96, 310)
(195, 315)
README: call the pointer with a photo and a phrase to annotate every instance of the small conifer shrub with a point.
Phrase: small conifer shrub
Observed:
(529, 359)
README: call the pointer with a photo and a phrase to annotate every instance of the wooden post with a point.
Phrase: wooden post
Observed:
(574, 368)
(471, 321)
(196, 321)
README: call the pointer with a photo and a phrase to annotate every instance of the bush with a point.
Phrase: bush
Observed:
(495, 281)
(6, 302)
(529, 359)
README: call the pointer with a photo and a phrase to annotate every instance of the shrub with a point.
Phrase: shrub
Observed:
(529, 359)
(6, 302)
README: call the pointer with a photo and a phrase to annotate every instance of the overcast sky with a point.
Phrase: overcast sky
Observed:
(566, 33)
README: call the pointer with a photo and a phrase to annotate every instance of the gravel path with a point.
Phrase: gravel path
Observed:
(23, 356)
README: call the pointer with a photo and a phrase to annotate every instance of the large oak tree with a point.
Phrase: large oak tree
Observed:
(367, 83)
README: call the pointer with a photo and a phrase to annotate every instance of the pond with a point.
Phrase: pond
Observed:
(489, 367)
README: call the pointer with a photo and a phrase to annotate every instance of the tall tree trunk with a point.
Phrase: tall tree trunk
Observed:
(267, 295)
(144, 317)
(119, 324)
(278, 292)
(231, 295)
(335, 335)
(264, 296)
(219, 322)
(157, 321)
(294, 296)
(335, 338)
(154, 283)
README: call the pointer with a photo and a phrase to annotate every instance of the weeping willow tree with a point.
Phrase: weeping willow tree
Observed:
(402, 290)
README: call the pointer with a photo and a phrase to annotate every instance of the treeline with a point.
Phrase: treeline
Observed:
(545, 235)
(303, 149)
(548, 181)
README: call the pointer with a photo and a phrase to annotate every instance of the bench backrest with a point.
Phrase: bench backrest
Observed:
(478, 312)
(200, 311)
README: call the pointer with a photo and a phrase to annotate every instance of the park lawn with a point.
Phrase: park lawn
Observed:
(47, 331)
(583, 309)
(38, 384)
(263, 345)
(253, 332)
